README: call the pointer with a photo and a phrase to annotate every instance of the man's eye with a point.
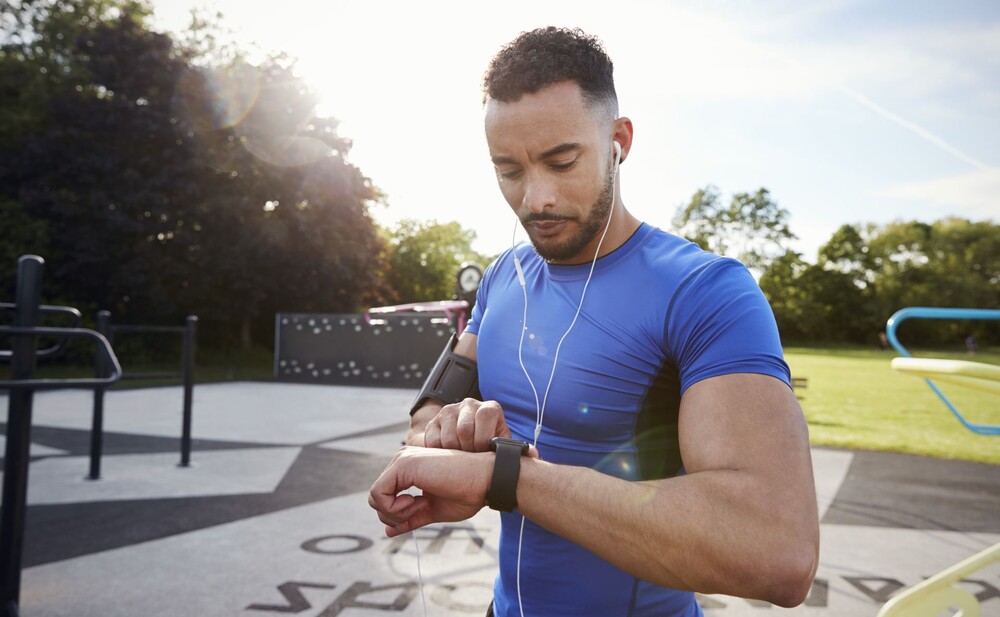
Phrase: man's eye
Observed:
(563, 166)
(512, 174)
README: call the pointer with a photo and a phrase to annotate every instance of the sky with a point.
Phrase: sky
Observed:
(847, 111)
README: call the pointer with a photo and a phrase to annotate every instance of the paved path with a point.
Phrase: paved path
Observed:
(272, 519)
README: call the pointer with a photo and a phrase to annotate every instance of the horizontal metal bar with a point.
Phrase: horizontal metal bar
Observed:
(46, 309)
(445, 306)
(59, 384)
(125, 328)
(131, 376)
(927, 312)
(51, 384)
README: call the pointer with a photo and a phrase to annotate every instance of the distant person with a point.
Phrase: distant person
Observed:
(653, 445)
(970, 345)
(883, 340)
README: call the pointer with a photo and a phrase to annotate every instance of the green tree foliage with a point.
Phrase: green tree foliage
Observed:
(32, 234)
(156, 184)
(847, 251)
(952, 262)
(864, 274)
(425, 256)
(815, 303)
(752, 228)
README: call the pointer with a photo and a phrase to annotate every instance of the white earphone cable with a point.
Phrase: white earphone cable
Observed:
(540, 409)
(420, 575)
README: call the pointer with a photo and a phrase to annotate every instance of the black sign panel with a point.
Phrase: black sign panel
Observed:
(349, 349)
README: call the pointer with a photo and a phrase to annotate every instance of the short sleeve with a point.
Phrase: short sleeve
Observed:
(720, 323)
(482, 295)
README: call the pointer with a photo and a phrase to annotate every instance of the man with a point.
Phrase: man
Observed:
(668, 453)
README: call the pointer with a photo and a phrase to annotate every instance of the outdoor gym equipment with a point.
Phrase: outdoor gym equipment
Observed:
(188, 333)
(22, 385)
(941, 591)
(977, 375)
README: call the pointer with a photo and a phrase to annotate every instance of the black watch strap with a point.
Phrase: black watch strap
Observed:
(502, 494)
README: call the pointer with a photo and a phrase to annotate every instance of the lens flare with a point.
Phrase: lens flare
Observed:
(250, 104)
(234, 91)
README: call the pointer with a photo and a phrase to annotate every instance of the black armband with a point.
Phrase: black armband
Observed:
(453, 378)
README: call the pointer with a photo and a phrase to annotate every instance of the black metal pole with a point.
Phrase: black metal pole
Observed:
(18, 442)
(187, 368)
(97, 424)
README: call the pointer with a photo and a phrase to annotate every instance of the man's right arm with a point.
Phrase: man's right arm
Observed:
(455, 426)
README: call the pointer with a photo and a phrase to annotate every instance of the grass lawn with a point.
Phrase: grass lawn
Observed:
(855, 400)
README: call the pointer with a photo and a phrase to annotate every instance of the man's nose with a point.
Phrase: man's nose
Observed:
(539, 194)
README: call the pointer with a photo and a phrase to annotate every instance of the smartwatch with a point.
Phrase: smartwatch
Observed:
(502, 494)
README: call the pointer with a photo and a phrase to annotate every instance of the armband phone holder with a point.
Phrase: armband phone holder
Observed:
(453, 378)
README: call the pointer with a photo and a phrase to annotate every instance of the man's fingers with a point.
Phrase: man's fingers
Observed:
(420, 518)
(490, 423)
(466, 426)
(413, 512)
(448, 420)
(392, 507)
(402, 510)
(432, 433)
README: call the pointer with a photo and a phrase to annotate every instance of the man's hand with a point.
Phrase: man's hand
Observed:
(454, 488)
(469, 426)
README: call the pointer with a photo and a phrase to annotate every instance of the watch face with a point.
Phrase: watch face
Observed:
(468, 278)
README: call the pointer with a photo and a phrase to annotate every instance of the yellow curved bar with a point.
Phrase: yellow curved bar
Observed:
(961, 372)
(931, 597)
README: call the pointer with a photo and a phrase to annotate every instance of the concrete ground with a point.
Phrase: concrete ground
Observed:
(272, 518)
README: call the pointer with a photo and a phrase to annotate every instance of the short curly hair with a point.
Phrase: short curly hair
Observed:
(545, 56)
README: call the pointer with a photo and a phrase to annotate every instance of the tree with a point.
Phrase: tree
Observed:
(164, 185)
(813, 303)
(865, 273)
(789, 302)
(752, 228)
(425, 256)
(287, 227)
(32, 236)
(42, 78)
(847, 251)
(952, 262)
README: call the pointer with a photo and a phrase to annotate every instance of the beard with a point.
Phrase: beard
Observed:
(588, 230)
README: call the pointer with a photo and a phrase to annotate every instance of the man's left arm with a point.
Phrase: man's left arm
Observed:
(743, 519)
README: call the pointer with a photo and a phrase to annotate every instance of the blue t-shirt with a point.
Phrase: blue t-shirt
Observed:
(659, 315)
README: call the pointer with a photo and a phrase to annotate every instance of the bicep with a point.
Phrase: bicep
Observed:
(745, 421)
(467, 345)
(746, 436)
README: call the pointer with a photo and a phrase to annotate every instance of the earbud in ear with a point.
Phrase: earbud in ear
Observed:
(618, 151)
